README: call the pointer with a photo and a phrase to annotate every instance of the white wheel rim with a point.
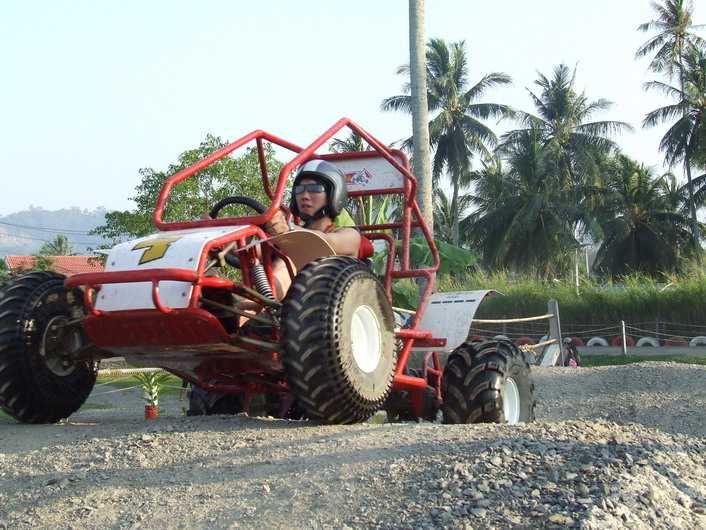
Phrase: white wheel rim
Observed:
(511, 402)
(365, 339)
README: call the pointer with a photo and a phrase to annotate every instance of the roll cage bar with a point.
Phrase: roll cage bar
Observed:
(411, 215)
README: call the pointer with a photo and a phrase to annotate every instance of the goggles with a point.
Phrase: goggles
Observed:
(313, 187)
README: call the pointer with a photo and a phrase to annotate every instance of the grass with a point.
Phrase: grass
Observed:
(615, 360)
(634, 298)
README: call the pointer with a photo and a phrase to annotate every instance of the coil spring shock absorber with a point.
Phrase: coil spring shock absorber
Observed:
(259, 277)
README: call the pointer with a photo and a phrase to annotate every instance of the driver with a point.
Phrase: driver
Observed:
(318, 195)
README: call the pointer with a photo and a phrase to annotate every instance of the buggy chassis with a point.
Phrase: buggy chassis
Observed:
(193, 344)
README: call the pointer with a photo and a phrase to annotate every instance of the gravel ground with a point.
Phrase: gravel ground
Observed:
(613, 447)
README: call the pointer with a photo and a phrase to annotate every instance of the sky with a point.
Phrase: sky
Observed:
(93, 91)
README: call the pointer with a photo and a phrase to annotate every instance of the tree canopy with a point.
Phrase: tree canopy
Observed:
(193, 197)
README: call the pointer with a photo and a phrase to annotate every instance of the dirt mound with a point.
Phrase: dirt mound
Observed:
(590, 462)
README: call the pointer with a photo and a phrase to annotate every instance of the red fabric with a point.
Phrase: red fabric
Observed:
(366, 249)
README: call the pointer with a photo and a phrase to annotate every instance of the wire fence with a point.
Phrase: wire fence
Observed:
(662, 333)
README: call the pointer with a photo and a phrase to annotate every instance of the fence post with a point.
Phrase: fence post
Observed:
(625, 348)
(555, 326)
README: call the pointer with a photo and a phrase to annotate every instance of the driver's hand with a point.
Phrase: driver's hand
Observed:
(206, 215)
(277, 225)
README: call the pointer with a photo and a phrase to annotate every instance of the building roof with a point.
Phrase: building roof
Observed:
(67, 265)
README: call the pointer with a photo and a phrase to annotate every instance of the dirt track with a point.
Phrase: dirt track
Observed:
(583, 464)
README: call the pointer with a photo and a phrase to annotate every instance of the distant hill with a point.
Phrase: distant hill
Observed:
(22, 233)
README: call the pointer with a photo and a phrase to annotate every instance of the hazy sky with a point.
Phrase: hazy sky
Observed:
(92, 91)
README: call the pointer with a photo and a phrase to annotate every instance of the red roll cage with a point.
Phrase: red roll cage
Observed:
(411, 219)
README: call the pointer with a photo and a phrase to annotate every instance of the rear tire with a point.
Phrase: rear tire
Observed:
(275, 406)
(399, 404)
(488, 383)
(205, 403)
(339, 346)
(39, 382)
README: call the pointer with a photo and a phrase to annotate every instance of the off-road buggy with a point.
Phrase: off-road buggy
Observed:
(331, 346)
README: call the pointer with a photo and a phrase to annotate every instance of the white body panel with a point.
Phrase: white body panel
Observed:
(367, 174)
(183, 250)
(550, 355)
(449, 316)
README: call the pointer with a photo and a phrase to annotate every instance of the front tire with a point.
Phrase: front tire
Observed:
(488, 383)
(339, 347)
(39, 328)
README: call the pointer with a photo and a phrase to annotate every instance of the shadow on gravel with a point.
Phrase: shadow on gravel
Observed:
(244, 467)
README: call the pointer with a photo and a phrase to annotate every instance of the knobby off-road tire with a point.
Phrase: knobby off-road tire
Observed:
(275, 403)
(205, 403)
(38, 383)
(338, 338)
(399, 405)
(488, 383)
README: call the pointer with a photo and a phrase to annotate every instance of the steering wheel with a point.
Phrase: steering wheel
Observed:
(256, 205)
(236, 199)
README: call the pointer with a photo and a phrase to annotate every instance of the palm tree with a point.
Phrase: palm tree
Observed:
(673, 40)
(419, 108)
(564, 129)
(524, 219)
(59, 246)
(643, 227)
(673, 25)
(444, 215)
(456, 132)
(686, 138)
(351, 144)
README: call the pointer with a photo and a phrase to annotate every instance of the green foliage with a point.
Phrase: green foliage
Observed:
(686, 137)
(565, 127)
(195, 196)
(674, 33)
(42, 263)
(643, 224)
(634, 298)
(59, 246)
(457, 131)
(526, 219)
(4, 272)
(152, 383)
(455, 261)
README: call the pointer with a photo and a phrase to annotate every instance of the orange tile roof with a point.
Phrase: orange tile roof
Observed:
(67, 265)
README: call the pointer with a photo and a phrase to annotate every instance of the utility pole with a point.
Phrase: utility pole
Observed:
(420, 111)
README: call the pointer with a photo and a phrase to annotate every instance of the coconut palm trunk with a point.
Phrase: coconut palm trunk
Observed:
(420, 120)
(687, 165)
(456, 214)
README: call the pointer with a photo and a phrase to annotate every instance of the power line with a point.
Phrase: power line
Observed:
(47, 229)
(75, 241)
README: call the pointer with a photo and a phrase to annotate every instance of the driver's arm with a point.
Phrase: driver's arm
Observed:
(344, 241)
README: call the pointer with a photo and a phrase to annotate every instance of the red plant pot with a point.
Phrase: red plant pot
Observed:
(577, 341)
(151, 412)
(618, 341)
(676, 342)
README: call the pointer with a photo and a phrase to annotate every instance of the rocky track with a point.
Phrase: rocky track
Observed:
(614, 447)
